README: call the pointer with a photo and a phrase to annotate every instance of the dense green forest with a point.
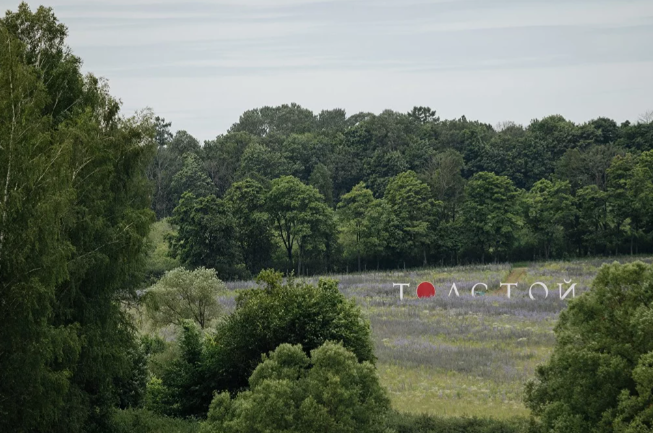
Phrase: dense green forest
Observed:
(83, 343)
(288, 188)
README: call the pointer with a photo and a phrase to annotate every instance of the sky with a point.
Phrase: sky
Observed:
(200, 64)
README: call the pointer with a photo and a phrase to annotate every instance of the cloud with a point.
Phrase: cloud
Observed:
(201, 63)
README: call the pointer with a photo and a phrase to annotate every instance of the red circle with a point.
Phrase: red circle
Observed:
(425, 290)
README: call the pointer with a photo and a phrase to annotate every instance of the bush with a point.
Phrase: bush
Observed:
(601, 367)
(291, 313)
(145, 421)
(289, 392)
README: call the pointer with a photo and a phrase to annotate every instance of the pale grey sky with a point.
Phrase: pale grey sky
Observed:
(200, 64)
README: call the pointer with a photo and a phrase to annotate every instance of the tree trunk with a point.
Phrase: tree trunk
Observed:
(358, 254)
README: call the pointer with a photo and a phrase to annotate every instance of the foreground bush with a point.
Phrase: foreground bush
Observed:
(290, 392)
(292, 313)
(599, 378)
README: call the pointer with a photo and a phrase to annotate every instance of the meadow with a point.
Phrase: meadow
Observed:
(462, 356)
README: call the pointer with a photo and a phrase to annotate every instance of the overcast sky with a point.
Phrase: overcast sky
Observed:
(200, 64)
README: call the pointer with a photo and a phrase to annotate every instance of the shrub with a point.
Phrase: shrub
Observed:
(408, 423)
(145, 421)
(290, 392)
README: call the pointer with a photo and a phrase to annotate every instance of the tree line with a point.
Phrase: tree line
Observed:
(295, 190)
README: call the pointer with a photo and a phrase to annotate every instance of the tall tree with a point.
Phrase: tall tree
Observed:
(207, 235)
(298, 212)
(550, 213)
(35, 192)
(353, 212)
(491, 213)
(414, 215)
(192, 178)
(94, 259)
(246, 200)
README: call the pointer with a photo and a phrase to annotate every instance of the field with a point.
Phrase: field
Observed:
(454, 356)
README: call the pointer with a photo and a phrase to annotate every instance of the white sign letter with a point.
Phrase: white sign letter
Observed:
(510, 285)
(401, 289)
(546, 290)
(478, 284)
(571, 289)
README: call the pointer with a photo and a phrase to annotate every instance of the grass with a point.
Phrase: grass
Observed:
(463, 356)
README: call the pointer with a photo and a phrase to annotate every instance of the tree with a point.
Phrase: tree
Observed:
(354, 211)
(206, 236)
(35, 193)
(163, 166)
(423, 114)
(246, 200)
(597, 375)
(321, 179)
(180, 393)
(182, 295)
(183, 143)
(298, 212)
(550, 213)
(414, 214)
(290, 392)
(261, 163)
(491, 212)
(192, 178)
(641, 189)
(443, 174)
(98, 159)
(594, 221)
(222, 158)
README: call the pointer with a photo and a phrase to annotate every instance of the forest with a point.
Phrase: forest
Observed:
(151, 283)
(315, 193)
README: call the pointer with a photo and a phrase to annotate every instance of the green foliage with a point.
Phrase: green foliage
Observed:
(74, 210)
(364, 223)
(182, 295)
(414, 214)
(598, 377)
(145, 421)
(206, 236)
(290, 392)
(300, 217)
(182, 379)
(158, 260)
(253, 225)
(406, 423)
(550, 211)
(291, 313)
(191, 178)
(491, 212)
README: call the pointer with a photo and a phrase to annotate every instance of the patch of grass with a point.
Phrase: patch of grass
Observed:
(424, 390)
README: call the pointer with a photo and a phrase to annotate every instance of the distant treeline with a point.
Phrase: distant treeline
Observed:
(288, 188)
